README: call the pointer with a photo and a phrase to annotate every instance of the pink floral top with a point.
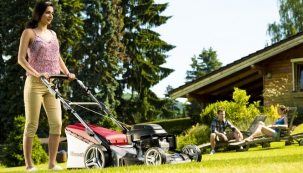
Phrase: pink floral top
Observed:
(44, 55)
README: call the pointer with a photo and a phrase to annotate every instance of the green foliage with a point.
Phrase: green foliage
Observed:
(91, 37)
(109, 124)
(205, 63)
(193, 110)
(147, 55)
(15, 15)
(171, 106)
(13, 151)
(12, 78)
(272, 112)
(173, 126)
(237, 111)
(99, 55)
(291, 20)
(198, 134)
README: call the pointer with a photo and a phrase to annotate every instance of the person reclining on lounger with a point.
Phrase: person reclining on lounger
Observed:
(271, 130)
(218, 126)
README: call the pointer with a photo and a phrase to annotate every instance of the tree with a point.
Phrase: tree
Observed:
(168, 89)
(12, 75)
(68, 25)
(193, 110)
(100, 54)
(146, 52)
(13, 21)
(171, 105)
(205, 63)
(291, 20)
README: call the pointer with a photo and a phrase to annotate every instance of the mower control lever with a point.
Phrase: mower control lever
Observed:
(85, 89)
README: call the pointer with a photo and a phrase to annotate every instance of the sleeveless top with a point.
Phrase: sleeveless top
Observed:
(279, 122)
(43, 55)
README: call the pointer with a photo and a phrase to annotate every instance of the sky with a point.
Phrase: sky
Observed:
(233, 28)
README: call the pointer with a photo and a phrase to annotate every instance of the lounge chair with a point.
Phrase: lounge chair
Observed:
(252, 126)
(245, 134)
(284, 134)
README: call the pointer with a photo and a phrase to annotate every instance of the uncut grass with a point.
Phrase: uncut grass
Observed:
(278, 159)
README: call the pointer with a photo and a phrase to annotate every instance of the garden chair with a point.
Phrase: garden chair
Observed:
(252, 126)
(284, 134)
(245, 133)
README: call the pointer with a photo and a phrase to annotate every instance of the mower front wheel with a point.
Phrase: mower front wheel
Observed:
(154, 156)
(95, 156)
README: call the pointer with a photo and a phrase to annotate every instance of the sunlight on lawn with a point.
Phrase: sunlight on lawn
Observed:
(277, 158)
(298, 129)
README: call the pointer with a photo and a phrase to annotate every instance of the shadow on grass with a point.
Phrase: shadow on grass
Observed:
(252, 148)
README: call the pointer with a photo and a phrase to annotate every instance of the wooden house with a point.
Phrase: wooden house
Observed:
(272, 75)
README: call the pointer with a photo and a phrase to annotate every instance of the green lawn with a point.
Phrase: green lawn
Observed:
(276, 159)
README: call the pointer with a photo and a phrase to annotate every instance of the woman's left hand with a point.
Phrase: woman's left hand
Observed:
(71, 76)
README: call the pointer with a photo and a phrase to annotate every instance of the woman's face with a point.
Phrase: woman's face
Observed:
(47, 16)
(280, 112)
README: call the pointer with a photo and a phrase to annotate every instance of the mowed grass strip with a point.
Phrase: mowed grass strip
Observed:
(276, 159)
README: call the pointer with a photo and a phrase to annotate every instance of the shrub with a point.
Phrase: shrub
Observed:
(13, 151)
(108, 123)
(197, 134)
(173, 126)
(238, 111)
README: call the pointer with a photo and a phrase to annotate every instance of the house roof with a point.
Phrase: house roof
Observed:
(236, 73)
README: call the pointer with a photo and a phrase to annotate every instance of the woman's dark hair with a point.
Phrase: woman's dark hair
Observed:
(39, 9)
(283, 108)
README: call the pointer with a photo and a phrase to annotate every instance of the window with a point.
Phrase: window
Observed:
(297, 74)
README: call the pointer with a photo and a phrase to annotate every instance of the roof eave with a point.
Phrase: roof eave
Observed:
(183, 91)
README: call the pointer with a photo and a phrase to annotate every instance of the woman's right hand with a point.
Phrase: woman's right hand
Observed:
(71, 76)
(39, 75)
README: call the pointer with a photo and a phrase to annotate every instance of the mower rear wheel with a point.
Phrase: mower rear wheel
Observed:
(95, 157)
(154, 156)
(193, 151)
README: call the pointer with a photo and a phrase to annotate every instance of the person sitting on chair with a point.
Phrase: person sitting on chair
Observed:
(271, 130)
(218, 127)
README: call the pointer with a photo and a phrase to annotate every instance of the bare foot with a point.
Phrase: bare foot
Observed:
(249, 139)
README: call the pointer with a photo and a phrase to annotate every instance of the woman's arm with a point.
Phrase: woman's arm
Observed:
(25, 41)
(63, 67)
(64, 70)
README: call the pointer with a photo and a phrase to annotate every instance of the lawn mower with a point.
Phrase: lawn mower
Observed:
(90, 146)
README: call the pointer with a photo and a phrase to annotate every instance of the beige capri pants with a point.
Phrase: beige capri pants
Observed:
(35, 93)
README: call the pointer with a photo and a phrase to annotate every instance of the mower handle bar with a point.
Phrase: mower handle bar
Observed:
(86, 90)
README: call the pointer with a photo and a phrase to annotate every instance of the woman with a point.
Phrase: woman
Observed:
(44, 59)
(271, 130)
